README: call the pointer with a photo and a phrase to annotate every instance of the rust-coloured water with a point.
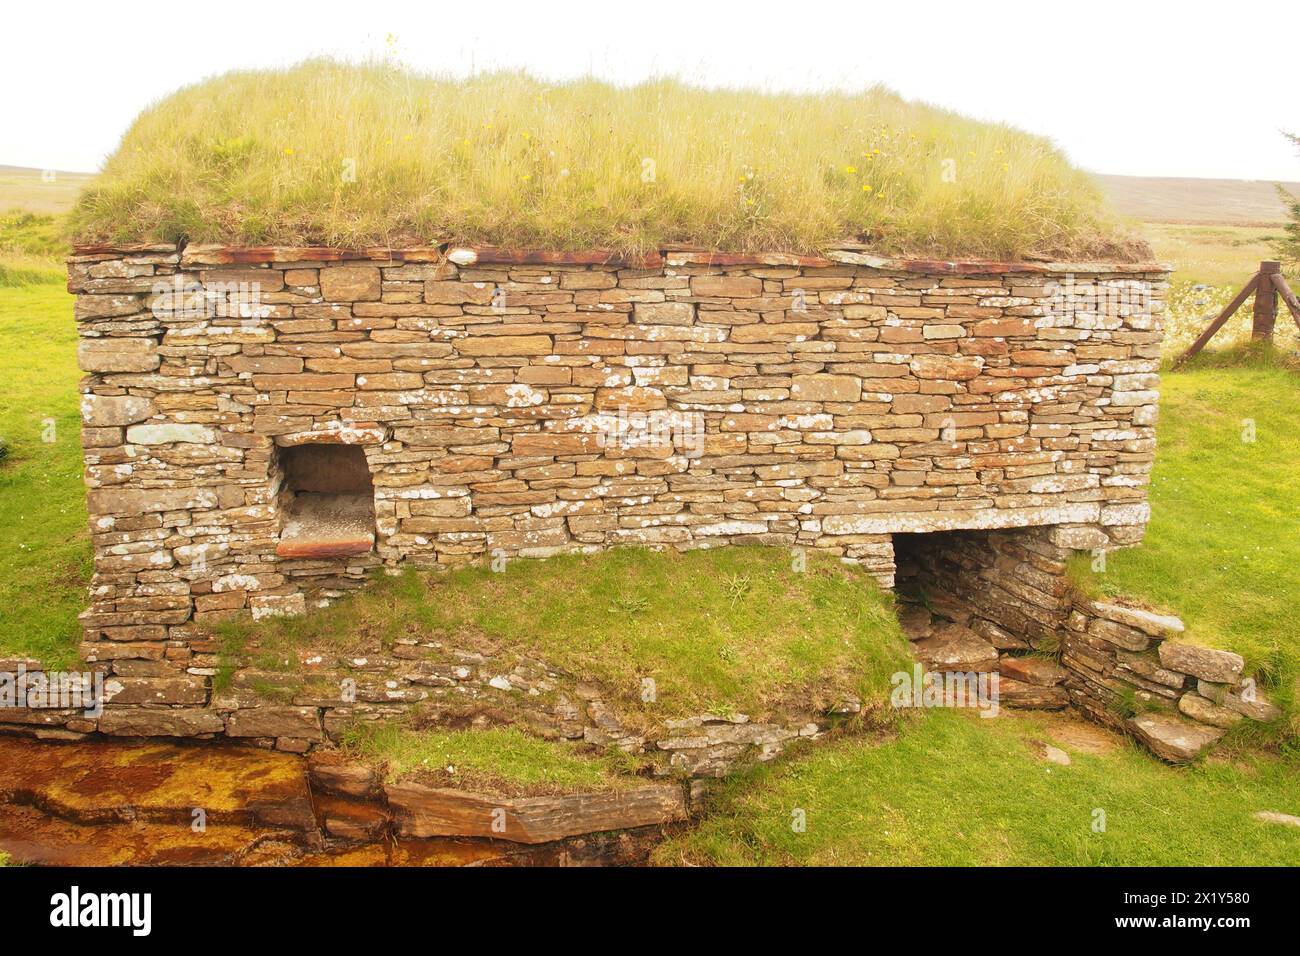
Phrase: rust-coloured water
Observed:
(106, 803)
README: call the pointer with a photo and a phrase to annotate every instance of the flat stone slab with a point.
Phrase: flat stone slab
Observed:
(421, 811)
(1173, 738)
(953, 647)
(915, 621)
(1207, 712)
(91, 783)
(1149, 622)
(1206, 663)
(1033, 670)
(1025, 696)
(327, 526)
(1285, 819)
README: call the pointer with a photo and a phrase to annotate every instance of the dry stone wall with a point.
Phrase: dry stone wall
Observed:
(524, 404)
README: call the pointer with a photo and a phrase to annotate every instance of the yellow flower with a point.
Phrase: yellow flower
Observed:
(866, 187)
(288, 151)
(850, 169)
(527, 177)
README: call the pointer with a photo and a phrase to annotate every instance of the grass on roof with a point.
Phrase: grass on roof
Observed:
(350, 155)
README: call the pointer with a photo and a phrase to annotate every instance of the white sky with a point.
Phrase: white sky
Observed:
(1140, 87)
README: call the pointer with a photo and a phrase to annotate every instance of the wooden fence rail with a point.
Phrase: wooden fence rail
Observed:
(1265, 285)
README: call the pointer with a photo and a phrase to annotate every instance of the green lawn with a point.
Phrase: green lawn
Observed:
(44, 547)
(958, 790)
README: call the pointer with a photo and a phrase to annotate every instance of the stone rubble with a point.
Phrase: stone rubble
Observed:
(1123, 666)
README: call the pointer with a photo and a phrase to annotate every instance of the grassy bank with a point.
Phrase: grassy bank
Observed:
(384, 155)
(500, 760)
(725, 631)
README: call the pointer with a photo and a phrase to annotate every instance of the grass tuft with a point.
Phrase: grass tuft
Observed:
(351, 155)
(499, 759)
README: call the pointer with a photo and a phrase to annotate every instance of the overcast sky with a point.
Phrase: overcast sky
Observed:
(1139, 87)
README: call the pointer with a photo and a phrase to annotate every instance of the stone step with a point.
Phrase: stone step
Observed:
(1025, 696)
(1173, 738)
(421, 811)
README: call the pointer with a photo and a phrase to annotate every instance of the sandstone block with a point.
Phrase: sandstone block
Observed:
(99, 411)
(118, 355)
(959, 368)
(1207, 712)
(1171, 737)
(350, 283)
(1149, 622)
(730, 287)
(167, 434)
(663, 313)
(171, 722)
(300, 722)
(826, 388)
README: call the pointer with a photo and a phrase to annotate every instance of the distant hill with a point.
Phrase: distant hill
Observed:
(1240, 202)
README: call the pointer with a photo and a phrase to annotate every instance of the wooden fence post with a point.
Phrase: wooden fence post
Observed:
(1265, 315)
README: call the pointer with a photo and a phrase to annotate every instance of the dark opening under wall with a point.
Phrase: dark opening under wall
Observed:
(327, 500)
(976, 601)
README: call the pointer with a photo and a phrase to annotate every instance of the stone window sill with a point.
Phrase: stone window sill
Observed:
(327, 526)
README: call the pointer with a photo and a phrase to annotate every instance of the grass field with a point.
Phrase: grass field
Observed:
(957, 790)
(1217, 255)
(40, 192)
(1186, 201)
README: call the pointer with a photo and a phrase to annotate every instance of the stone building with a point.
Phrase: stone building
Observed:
(264, 427)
